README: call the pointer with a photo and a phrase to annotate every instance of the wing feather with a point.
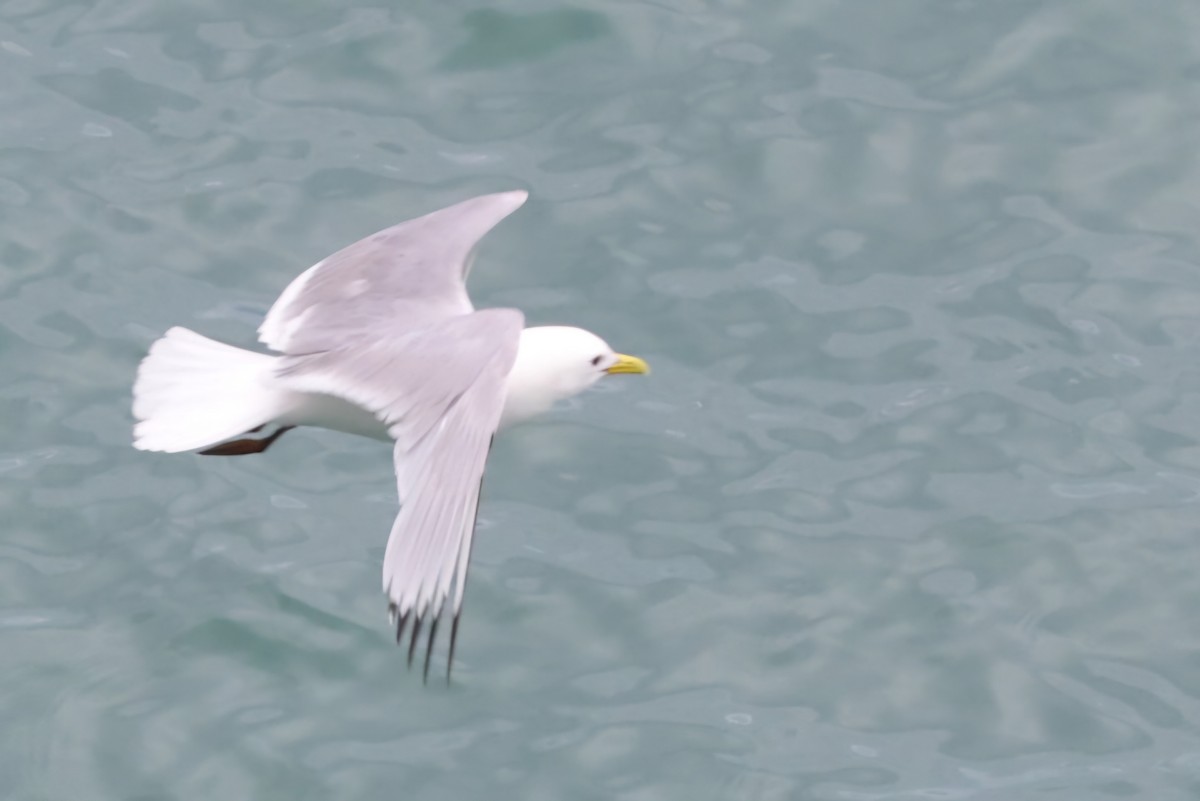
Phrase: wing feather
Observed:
(440, 390)
(414, 272)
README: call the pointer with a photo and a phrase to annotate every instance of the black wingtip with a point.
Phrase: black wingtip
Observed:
(416, 634)
(453, 642)
(429, 650)
(401, 622)
(419, 621)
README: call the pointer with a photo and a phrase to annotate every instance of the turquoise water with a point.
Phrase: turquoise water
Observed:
(908, 508)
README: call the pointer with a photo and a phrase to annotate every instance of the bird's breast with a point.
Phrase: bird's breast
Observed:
(329, 411)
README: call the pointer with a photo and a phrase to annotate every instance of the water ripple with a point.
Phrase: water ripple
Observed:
(905, 511)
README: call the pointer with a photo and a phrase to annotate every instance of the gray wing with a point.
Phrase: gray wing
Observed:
(411, 273)
(441, 392)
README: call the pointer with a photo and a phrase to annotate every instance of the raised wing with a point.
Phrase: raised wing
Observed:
(412, 273)
(441, 392)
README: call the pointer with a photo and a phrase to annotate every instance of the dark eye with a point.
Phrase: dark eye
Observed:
(596, 361)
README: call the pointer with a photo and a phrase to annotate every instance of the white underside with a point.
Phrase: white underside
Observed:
(192, 393)
(328, 411)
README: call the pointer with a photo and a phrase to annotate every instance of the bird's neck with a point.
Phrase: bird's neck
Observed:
(533, 383)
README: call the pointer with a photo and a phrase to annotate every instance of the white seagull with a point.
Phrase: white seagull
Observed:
(381, 340)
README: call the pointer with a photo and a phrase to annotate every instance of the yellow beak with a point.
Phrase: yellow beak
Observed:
(628, 364)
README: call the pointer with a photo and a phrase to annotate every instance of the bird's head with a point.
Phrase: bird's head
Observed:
(556, 362)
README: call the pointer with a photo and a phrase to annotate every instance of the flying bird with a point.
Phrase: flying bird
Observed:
(381, 340)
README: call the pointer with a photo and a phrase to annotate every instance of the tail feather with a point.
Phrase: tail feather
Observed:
(192, 392)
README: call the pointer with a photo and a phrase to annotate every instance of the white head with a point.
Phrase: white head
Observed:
(555, 362)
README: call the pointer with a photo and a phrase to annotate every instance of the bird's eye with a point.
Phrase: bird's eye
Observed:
(596, 361)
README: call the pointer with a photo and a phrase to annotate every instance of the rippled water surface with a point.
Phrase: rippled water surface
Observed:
(908, 508)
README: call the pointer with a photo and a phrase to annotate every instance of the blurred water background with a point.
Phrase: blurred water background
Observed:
(908, 508)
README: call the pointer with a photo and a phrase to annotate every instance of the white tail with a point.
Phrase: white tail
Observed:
(192, 392)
